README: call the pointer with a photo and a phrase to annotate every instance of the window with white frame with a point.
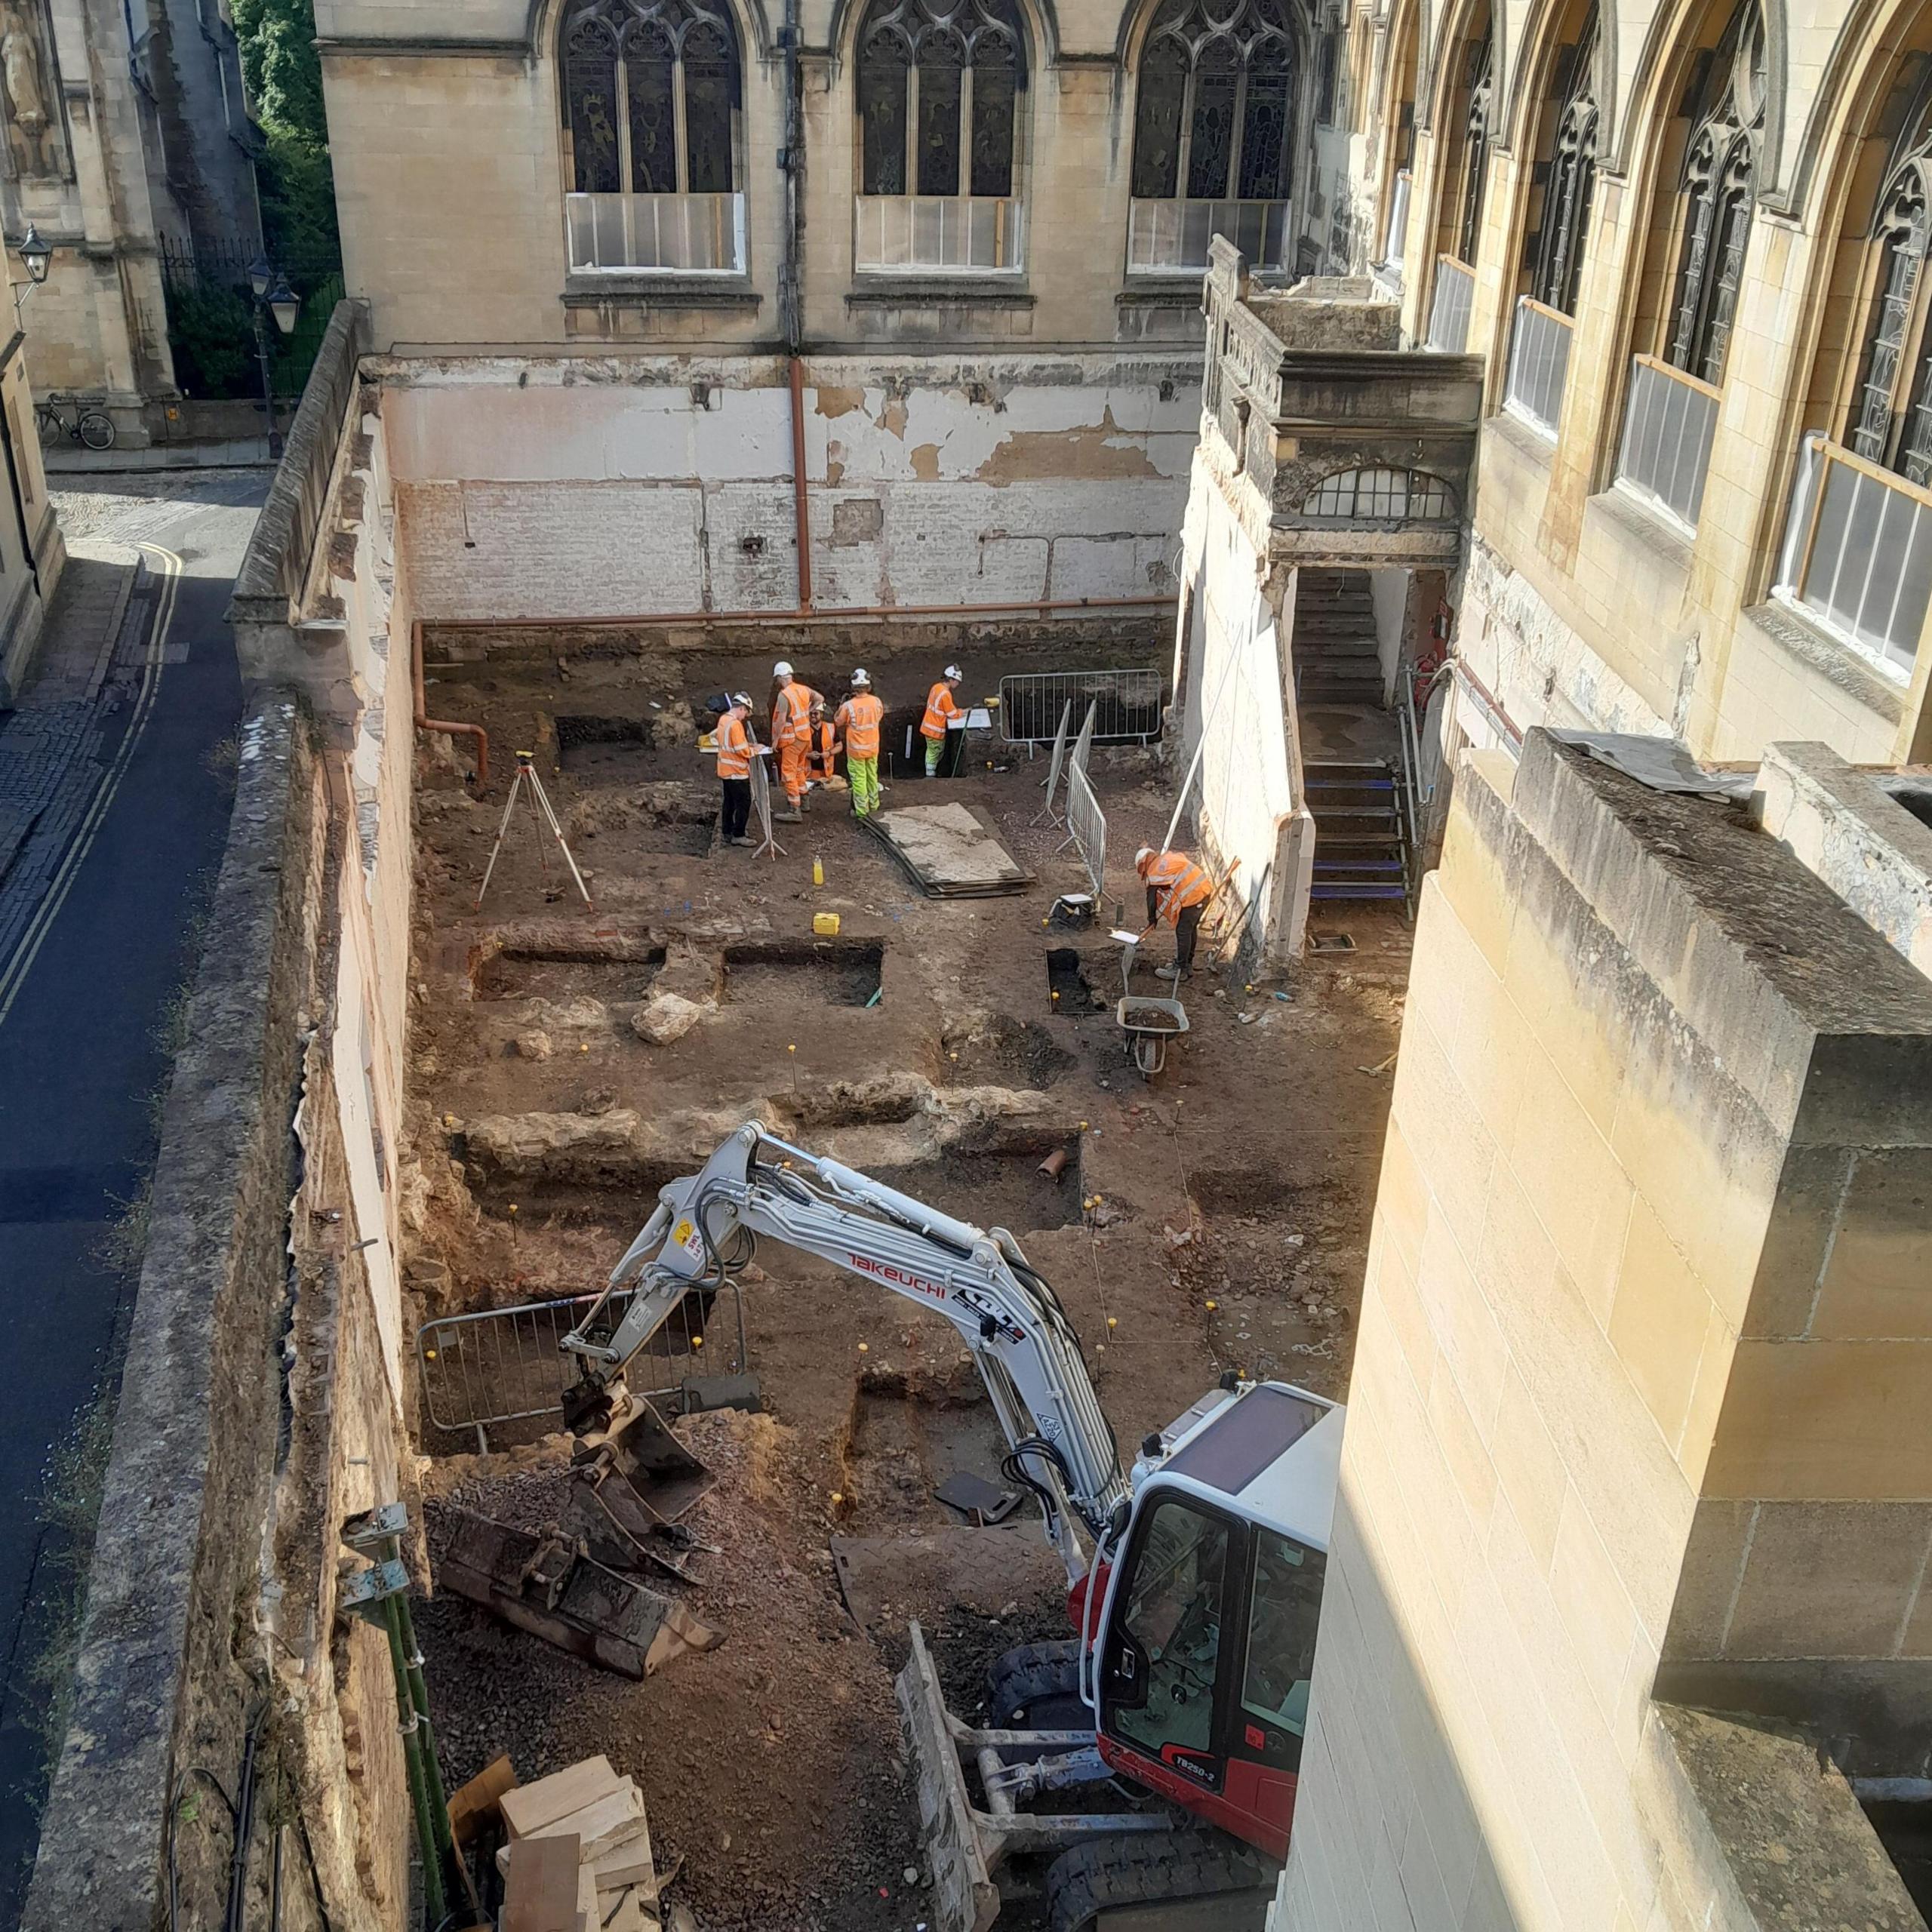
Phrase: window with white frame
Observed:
(1216, 119)
(939, 98)
(652, 106)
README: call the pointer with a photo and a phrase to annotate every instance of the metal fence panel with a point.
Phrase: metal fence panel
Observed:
(211, 318)
(1539, 362)
(1668, 423)
(1088, 825)
(1449, 309)
(502, 1366)
(1126, 705)
(1083, 745)
(1058, 763)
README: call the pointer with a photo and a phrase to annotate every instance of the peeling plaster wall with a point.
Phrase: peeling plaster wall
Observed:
(533, 490)
(1246, 801)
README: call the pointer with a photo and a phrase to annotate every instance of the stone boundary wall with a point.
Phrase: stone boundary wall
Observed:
(176, 1562)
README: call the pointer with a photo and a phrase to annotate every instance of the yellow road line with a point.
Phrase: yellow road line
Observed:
(14, 976)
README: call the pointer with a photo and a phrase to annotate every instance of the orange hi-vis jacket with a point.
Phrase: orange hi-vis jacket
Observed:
(940, 705)
(792, 714)
(734, 748)
(824, 741)
(1180, 882)
(860, 718)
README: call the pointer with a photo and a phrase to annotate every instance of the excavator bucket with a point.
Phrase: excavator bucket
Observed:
(539, 1584)
(630, 1483)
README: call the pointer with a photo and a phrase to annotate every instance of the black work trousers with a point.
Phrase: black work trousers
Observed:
(737, 805)
(1186, 926)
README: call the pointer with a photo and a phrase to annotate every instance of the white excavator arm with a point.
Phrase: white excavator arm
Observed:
(704, 1228)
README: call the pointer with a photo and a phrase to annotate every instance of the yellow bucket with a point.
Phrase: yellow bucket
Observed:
(825, 924)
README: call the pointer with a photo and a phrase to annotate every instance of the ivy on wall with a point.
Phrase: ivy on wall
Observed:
(284, 75)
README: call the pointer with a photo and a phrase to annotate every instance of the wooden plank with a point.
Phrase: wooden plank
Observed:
(529, 1807)
(540, 1887)
(471, 1804)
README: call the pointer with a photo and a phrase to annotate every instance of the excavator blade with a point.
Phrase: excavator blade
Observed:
(965, 1896)
(629, 1483)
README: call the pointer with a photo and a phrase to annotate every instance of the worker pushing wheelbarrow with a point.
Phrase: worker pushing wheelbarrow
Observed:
(1179, 893)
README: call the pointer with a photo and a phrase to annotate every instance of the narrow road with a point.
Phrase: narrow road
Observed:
(85, 1005)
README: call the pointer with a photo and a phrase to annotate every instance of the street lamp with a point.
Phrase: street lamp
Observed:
(35, 257)
(273, 296)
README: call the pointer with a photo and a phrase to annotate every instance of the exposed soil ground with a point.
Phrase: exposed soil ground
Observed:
(1214, 1218)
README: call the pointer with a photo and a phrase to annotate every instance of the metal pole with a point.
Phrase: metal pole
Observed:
(267, 385)
(412, 1745)
(1200, 747)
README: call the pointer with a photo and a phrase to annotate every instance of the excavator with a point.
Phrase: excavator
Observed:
(1172, 1721)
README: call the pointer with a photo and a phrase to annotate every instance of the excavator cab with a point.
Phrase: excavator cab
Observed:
(1207, 1648)
(1190, 1684)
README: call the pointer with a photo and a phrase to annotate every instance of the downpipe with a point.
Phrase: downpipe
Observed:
(425, 723)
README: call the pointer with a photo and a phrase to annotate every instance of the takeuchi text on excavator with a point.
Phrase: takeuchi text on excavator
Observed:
(1173, 1718)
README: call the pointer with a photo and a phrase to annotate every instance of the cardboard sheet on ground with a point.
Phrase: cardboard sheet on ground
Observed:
(886, 1580)
(949, 851)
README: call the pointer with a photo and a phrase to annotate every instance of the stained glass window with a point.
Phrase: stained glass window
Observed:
(626, 65)
(1215, 117)
(938, 97)
(1572, 178)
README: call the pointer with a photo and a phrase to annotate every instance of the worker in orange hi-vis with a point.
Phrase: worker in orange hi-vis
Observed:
(821, 745)
(735, 752)
(791, 704)
(941, 710)
(861, 717)
(1178, 891)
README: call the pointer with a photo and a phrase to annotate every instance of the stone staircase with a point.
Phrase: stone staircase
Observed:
(1361, 845)
(1334, 640)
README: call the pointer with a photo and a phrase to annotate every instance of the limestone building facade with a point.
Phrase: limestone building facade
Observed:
(127, 133)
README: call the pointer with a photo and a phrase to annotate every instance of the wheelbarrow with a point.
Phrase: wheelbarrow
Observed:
(1149, 1023)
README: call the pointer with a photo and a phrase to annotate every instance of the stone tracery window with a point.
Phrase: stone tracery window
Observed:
(1570, 181)
(1476, 127)
(1215, 121)
(651, 99)
(1718, 188)
(1892, 410)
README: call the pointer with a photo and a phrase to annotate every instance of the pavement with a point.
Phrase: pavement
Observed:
(115, 785)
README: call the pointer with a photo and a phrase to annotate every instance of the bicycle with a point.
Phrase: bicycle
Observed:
(94, 427)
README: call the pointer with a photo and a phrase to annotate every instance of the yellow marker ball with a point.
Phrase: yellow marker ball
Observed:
(1113, 1322)
(1212, 1305)
(583, 1046)
(865, 1348)
(1055, 995)
(837, 1497)
(1083, 1126)
(697, 1341)
(429, 1355)
(512, 1207)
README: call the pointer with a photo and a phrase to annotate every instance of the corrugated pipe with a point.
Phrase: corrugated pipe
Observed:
(801, 508)
(425, 723)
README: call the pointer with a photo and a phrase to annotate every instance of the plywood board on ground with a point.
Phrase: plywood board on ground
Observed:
(949, 850)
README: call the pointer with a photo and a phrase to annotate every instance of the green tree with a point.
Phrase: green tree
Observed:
(284, 74)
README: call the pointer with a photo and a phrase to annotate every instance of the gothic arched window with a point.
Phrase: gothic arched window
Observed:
(1481, 106)
(1570, 175)
(1891, 409)
(939, 125)
(652, 106)
(1215, 123)
(1718, 188)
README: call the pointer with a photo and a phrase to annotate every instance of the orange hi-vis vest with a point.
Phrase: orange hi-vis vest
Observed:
(822, 750)
(940, 706)
(1180, 882)
(792, 714)
(734, 748)
(860, 717)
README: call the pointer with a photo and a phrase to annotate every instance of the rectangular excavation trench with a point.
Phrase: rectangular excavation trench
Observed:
(783, 973)
(531, 972)
(622, 751)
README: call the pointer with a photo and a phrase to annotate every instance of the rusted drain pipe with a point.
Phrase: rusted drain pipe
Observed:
(425, 723)
(801, 508)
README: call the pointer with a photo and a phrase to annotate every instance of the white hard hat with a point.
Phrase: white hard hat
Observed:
(954, 671)
(783, 668)
(739, 697)
(1141, 857)
(860, 676)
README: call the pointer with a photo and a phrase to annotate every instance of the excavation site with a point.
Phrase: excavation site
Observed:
(945, 1013)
